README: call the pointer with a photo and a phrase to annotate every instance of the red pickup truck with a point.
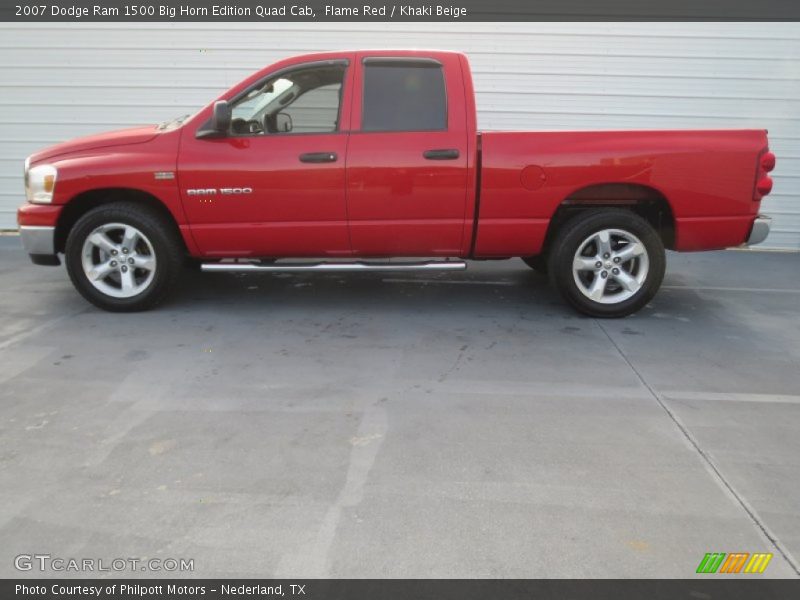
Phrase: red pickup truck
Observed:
(371, 160)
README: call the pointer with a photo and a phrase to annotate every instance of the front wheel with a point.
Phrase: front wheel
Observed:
(607, 263)
(123, 257)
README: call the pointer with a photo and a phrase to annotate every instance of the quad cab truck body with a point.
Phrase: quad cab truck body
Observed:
(371, 160)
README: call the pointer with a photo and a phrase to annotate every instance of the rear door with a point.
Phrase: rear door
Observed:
(407, 156)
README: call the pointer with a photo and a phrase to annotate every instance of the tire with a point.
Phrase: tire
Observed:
(109, 236)
(631, 260)
(538, 263)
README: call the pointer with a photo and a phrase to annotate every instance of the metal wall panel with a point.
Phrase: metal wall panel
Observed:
(59, 81)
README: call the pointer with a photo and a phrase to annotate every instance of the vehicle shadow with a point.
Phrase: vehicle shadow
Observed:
(390, 292)
(504, 291)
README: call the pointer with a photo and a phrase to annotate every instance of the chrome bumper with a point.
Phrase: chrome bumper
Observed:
(760, 230)
(38, 240)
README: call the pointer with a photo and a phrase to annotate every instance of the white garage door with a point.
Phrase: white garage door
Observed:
(58, 81)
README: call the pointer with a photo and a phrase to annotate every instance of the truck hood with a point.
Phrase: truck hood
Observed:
(122, 137)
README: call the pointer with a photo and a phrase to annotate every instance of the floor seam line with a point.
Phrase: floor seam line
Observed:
(28, 333)
(749, 511)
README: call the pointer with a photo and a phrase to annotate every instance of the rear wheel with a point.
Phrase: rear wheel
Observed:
(123, 257)
(607, 263)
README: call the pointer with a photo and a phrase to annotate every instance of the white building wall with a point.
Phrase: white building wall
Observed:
(58, 81)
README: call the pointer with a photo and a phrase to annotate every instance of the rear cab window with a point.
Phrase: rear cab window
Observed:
(403, 95)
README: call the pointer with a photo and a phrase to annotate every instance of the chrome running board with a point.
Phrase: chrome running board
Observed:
(338, 267)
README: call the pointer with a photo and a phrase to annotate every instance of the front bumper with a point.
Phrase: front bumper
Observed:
(37, 230)
(37, 239)
(40, 243)
(759, 231)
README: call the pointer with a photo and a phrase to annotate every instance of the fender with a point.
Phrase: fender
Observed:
(146, 168)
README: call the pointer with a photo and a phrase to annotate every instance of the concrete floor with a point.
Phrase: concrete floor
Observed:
(463, 425)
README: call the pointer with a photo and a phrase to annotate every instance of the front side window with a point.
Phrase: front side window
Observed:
(403, 96)
(303, 101)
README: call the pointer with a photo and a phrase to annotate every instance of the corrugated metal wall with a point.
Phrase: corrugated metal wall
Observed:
(58, 81)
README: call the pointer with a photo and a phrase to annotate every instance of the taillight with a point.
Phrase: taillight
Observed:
(768, 162)
(763, 186)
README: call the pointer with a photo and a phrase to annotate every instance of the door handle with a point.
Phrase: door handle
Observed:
(441, 154)
(318, 157)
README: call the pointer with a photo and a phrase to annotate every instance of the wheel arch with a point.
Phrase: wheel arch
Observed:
(85, 201)
(646, 201)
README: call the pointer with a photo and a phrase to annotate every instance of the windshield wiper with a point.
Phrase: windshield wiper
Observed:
(172, 122)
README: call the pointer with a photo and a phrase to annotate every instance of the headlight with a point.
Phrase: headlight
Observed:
(39, 183)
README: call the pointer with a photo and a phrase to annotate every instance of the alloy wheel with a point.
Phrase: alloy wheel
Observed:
(118, 260)
(610, 266)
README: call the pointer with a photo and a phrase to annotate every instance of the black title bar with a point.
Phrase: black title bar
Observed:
(409, 10)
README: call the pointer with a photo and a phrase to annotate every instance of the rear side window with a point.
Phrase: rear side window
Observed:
(404, 96)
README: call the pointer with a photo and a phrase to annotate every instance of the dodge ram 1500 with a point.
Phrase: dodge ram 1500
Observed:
(371, 160)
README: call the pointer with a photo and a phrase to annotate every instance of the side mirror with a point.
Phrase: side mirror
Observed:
(221, 117)
(283, 123)
(219, 125)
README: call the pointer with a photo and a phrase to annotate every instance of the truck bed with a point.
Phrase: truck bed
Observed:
(706, 176)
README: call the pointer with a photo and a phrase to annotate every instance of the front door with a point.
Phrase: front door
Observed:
(275, 186)
(407, 163)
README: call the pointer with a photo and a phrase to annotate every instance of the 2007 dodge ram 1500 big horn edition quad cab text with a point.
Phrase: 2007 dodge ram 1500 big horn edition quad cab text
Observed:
(360, 159)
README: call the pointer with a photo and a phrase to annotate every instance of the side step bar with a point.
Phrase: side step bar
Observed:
(338, 267)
